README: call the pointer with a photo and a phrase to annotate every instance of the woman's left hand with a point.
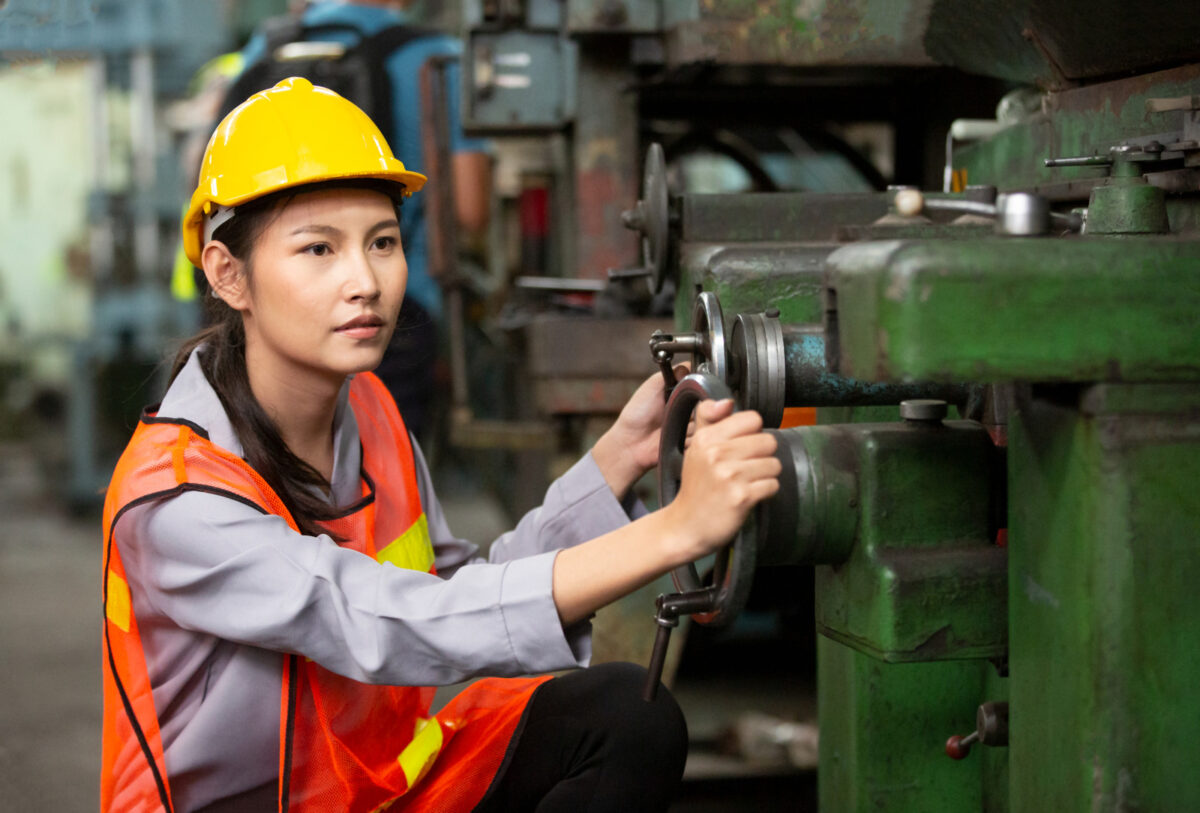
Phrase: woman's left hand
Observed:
(630, 447)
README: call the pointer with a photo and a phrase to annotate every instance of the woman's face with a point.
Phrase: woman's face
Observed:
(326, 286)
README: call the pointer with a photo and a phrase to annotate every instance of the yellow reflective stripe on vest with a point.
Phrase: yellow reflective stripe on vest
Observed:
(412, 549)
(417, 757)
(118, 608)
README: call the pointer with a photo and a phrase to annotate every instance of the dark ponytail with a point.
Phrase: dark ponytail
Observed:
(303, 490)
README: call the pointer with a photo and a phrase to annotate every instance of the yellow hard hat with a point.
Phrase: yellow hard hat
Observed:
(290, 135)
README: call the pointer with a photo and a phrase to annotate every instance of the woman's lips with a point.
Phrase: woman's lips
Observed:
(362, 327)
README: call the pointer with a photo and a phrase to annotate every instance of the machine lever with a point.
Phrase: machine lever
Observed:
(1080, 161)
(957, 747)
(664, 346)
(663, 359)
(991, 728)
(1016, 213)
(1136, 153)
(669, 607)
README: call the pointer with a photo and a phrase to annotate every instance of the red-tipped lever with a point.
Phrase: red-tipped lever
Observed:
(958, 746)
(991, 728)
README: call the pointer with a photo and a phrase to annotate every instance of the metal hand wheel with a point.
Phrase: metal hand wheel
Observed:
(733, 569)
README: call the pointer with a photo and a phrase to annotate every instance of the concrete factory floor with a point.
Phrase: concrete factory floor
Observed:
(50, 663)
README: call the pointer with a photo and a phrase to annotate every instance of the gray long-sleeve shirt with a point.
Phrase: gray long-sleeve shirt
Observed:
(220, 590)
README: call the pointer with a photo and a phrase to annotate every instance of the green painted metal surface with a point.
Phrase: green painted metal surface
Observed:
(1081, 121)
(1009, 309)
(750, 277)
(1104, 610)
(1093, 606)
(909, 231)
(884, 728)
(923, 579)
(1127, 206)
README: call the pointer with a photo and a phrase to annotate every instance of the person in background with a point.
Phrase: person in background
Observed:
(408, 368)
(281, 589)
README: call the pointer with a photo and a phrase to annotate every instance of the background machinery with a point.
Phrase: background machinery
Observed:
(950, 250)
(995, 505)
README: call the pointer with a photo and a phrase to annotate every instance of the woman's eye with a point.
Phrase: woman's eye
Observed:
(385, 243)
(317, 249)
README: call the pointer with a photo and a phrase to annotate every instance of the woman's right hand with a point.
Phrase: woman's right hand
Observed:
(728, 468)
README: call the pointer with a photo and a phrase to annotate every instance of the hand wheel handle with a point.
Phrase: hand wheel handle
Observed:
(733, 569)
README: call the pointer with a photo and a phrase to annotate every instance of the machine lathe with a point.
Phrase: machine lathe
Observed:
(998, 499)
(1021, 577)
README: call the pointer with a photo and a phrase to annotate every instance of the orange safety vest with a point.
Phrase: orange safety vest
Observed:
(344, 745)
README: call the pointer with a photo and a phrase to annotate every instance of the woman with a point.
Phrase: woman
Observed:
(280, 584)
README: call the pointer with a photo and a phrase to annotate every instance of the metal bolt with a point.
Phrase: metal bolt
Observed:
(771, 313)
(635, 219)
(923, 410)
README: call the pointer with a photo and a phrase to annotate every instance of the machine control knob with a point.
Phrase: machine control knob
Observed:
(923, 410)
(957, 747)
(991, 728)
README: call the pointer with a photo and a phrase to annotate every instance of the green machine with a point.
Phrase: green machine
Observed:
(999, 498)
(997, 501)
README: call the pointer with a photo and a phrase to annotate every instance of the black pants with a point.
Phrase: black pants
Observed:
(589, 743)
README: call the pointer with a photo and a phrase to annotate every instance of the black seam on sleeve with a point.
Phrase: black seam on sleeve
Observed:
(149, 417)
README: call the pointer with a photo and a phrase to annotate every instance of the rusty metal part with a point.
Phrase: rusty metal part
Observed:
(587, 365)
(603, 158)
(811, 382)
(825, 33)
(589, 347)
(1044, 42)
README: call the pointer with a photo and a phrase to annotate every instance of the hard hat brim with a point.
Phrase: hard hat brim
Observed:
(193, 222)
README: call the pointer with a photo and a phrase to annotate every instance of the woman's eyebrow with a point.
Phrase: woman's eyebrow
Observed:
(391, 222)
(318, 229)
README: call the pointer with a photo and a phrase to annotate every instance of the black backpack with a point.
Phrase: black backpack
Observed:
(358, 72)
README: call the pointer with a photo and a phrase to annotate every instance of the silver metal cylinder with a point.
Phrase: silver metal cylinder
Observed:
(1023, 215)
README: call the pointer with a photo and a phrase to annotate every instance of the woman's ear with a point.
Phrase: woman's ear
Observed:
(226, 275)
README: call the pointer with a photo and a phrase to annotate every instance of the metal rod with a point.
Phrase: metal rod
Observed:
(658, 659)
(1080, 161)
(809, 382)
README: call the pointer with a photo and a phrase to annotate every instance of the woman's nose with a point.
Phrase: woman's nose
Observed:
(363, 282)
